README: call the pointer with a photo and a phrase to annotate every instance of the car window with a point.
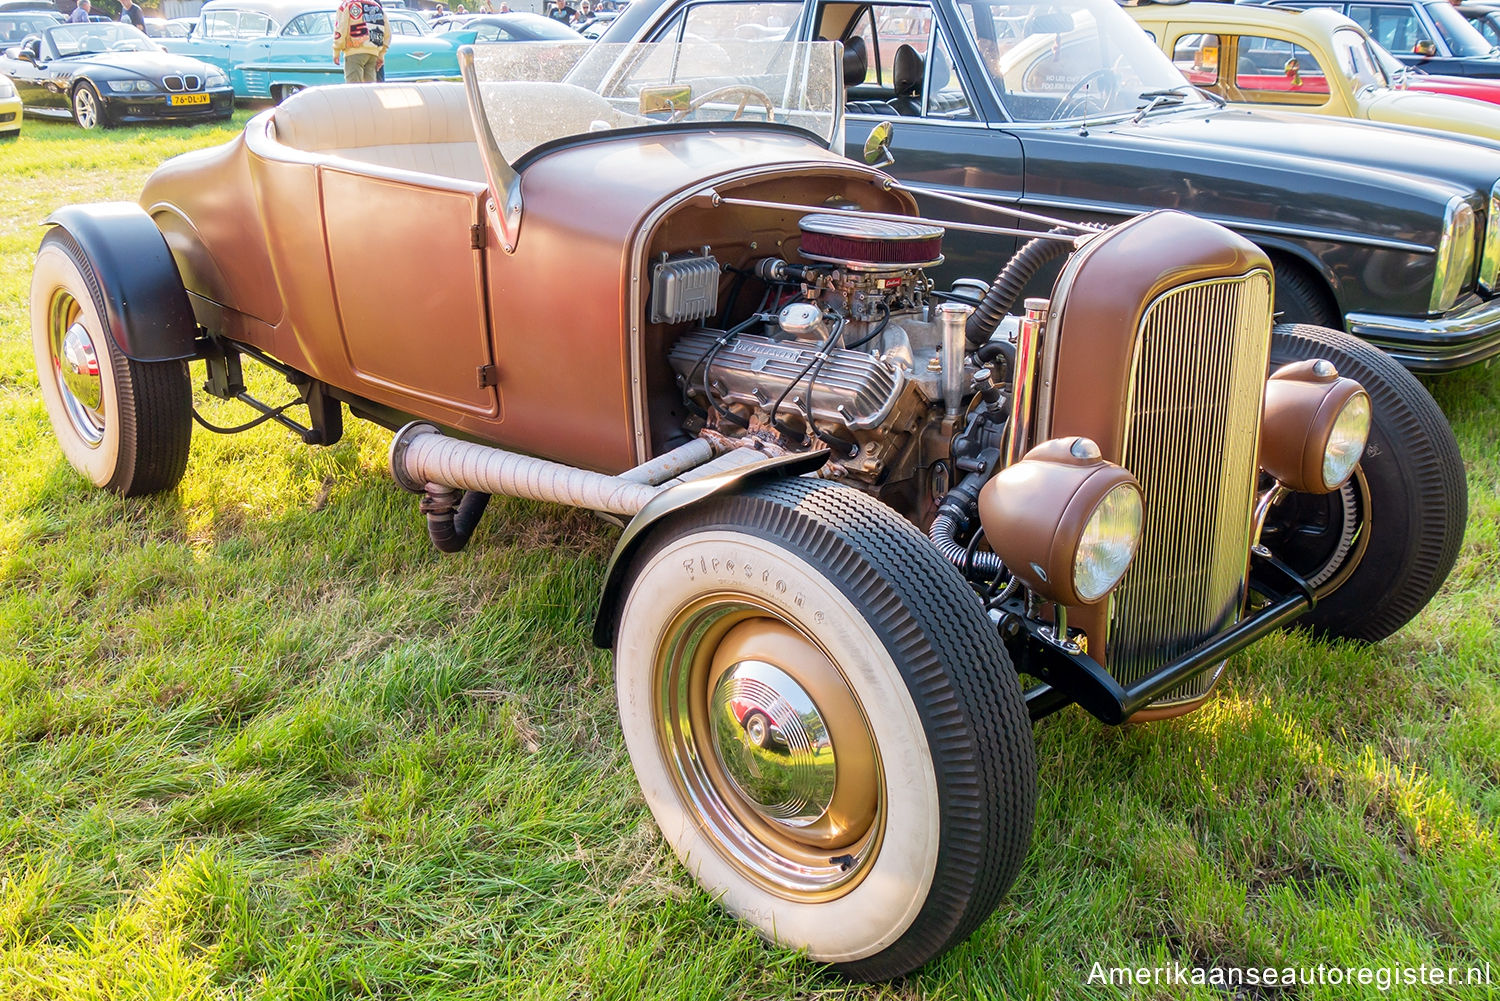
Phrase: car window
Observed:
(492, 33)
(1062, 60)
(1489, 27)
(405, 24)
(1197, 55)
(1275, 71)
(318, 22)
(727, 22)
(1357, 60)
(702, 30)
(1458, 32)
(864, 29)
(220, 24)
(1396, 28)
(944, 95)
(254, 24)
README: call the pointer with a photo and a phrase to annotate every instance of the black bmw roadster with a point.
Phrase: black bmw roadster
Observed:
(103, 73)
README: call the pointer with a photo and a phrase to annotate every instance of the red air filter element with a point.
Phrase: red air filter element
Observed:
(861, 244)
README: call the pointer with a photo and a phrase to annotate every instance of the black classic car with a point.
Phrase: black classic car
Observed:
(1433, 35)
(1066, 107)
(103, 73)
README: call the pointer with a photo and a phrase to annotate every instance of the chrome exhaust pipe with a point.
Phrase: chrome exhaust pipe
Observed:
(422, 455)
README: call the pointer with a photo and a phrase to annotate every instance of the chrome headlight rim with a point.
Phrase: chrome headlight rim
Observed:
(1455, 254)
(1124, 502)
(1347, 438)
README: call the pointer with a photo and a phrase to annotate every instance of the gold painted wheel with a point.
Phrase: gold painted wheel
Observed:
(769, 742)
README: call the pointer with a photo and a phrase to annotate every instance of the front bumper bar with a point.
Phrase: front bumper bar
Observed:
(1069, 677)
(1434, 344)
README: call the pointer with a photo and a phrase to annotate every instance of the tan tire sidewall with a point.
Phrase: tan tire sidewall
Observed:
(55, 270)
(872, 915)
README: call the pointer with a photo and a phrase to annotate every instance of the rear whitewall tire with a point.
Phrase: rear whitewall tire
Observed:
(137, 439)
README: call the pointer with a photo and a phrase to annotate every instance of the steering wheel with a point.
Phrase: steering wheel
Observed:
(1075, 94)
(746, 94)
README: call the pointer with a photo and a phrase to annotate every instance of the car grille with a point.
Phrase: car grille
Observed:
(178, 84)
(8, 116)
(1193, 430)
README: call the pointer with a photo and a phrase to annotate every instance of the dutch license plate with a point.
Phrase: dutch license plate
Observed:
(179, 99)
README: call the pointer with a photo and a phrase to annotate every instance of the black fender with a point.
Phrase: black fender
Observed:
(669, 502)
(145, 303)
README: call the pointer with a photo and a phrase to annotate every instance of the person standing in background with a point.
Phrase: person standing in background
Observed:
(131, 14)
(80, 13)
(361, 37)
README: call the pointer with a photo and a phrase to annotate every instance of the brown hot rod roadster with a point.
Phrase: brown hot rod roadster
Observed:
(875, 527)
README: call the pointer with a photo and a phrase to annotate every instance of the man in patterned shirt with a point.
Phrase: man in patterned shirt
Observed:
(361, 37)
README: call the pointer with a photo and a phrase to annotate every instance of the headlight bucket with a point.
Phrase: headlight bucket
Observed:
(1314, 426)
(1455, 254)
(1489, 258)
(1064, 520)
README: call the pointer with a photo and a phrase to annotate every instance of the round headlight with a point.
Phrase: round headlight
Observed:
(1108, 543)
(1346, 442)
(1064, 520)
(1314, 426)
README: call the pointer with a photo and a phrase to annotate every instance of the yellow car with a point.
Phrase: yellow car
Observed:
(1317, 61)
(10, 109)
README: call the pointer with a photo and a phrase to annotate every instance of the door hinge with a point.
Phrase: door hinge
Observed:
(476, 236)
(488, 376)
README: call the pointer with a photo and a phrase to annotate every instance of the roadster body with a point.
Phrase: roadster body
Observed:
(875, 526)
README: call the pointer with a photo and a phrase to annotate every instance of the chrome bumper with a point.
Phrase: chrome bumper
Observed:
(1434, 344)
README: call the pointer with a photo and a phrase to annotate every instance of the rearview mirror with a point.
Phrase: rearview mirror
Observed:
(878, 145)
(1426, 47)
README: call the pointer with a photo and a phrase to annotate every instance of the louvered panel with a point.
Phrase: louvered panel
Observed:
(1192, 432)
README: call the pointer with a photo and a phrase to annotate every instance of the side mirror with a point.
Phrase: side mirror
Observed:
(1426, 47)
(878, 145)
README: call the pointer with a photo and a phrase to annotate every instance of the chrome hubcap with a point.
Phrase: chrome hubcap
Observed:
(750, 710)
(75, 365)
(773, 743)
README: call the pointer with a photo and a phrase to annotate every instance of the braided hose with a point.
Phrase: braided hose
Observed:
(944, 535)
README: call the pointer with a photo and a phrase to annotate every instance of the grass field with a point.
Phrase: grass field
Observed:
(259, 740)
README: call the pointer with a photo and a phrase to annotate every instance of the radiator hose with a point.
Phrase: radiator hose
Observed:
(1017, 273)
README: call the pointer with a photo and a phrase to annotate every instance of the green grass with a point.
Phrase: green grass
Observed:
(258, 740)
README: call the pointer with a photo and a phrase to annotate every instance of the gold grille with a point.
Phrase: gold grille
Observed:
(1192, 432)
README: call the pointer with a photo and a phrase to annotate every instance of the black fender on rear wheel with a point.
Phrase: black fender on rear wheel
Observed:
(1378, 549)
(893, 805)
(125, 424)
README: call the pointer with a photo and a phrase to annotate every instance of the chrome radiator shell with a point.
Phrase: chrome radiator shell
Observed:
(1191, 436)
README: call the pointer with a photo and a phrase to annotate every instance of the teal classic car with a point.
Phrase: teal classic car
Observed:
(274, 48)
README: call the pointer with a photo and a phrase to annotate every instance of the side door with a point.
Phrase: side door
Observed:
(27, 74)
(920, 67)
(412, 331)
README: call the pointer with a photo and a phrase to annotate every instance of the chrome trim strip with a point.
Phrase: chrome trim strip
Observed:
(1300, 232)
